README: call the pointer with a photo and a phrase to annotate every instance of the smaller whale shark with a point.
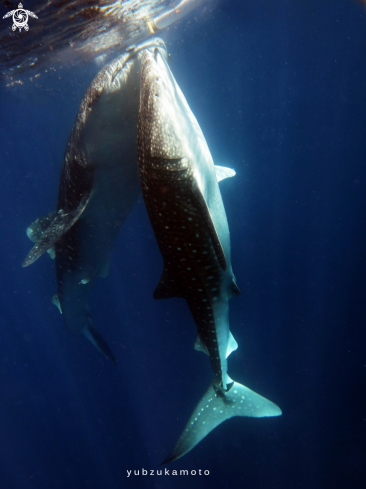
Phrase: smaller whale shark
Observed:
(99, 185)
(180, 188)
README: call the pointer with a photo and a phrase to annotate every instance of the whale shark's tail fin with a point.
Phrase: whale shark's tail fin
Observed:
(216, 407)
(97, 339)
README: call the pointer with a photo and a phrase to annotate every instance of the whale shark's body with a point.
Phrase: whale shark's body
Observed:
(180, 189)
(98, 187)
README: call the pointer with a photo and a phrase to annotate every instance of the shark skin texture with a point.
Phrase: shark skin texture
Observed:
(99, 186)
(179, 184)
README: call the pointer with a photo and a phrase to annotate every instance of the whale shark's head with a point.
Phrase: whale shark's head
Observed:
(154, 44)
(166, 123)
(116, 73)
(164, 116)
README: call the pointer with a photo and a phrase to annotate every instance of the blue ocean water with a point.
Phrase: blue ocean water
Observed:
(279, 91)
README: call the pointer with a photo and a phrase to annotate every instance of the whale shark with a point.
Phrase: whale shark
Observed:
(180, 188)
(99, 185)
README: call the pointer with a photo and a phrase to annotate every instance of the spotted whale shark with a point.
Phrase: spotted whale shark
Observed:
(99, 185)
(180, 188)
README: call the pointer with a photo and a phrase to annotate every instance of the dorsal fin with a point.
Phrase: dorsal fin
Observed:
(167, 287)
(89, 275)
(52, 252)
(234, 287)
(232, 345)
(61, 223)
(211, 226)
(55, 300)
(199, 345)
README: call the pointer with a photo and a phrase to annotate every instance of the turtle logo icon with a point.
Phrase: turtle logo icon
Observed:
(20, 18)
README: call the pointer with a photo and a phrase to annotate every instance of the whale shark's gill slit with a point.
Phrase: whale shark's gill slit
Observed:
(201, 202)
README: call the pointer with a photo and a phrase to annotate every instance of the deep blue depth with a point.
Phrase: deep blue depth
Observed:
(279, 89)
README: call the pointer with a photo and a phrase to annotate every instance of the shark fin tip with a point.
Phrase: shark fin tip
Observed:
(28, 261)
(98, 341)
(170, 458)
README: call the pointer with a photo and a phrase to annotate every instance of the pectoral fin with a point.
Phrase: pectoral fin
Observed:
(61, 223)
(223, 172)
(36, 229)
(211, 226)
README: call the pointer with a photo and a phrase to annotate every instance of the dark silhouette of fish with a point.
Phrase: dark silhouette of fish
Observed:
(98, 187)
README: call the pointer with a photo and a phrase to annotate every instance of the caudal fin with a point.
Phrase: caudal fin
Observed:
(214, 408)
(98, 341)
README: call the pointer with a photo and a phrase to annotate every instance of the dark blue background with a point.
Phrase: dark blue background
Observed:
(278, 88)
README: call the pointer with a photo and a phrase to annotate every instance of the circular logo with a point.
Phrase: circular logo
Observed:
(20, 19)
